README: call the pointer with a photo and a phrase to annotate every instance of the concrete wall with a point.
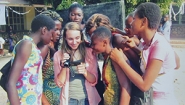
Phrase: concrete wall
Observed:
(114, 10)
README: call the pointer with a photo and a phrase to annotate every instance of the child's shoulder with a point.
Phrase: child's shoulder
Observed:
(23, 44)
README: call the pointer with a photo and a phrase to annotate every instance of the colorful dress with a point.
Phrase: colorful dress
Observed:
(112, 91)
(50, 89)
(29, 84)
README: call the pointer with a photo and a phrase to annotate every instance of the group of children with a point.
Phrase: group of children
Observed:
(68, 76)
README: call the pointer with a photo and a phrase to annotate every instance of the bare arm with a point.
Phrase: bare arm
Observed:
(88, 75)
(90, 72)
(177, 59)
(18, 64)
(44, 100)
(142, 82)
(124, 85)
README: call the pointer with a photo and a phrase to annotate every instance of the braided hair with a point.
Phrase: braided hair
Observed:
(98, 20)
(54, 15)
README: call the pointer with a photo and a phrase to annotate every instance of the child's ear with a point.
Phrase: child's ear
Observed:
(105, 42)
(145, 22)
(43, 30)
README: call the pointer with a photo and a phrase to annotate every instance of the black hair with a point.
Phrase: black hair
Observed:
(152, 12)
(101, 33)
(42, 21)
(75, 5)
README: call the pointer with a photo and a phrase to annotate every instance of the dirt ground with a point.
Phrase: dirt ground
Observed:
(179, 77)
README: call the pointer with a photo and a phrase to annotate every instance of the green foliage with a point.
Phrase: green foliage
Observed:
(66, 3)
(130, 5)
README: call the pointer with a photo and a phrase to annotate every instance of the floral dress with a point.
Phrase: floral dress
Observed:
(50, 89)
(29, 84)
(112, 91)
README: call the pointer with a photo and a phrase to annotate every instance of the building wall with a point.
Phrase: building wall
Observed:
(29, 17)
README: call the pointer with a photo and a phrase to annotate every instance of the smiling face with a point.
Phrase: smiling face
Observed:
(97, 45)
(73, 38)
(76, 15)
(57, 33)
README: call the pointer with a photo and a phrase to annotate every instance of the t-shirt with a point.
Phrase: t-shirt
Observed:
(160, 49)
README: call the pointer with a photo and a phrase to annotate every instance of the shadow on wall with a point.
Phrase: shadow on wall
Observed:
(114, 10)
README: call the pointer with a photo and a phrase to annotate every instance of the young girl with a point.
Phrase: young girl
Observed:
(158, 56)
(117, 84)
(24, 85)
(51, 92)
(75, 69)
(76, 14)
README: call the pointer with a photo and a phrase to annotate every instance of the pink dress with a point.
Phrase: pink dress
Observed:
(91, 66)
(163, 85)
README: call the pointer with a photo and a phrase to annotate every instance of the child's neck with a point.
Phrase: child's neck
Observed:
(108, 50)
(35, 37)
(148, 36)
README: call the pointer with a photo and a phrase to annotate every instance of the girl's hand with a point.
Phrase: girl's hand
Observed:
(129, 41)
(65, 57)
(81, 68)
(117, 55)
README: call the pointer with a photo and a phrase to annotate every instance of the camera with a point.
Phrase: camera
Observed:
(67, 63)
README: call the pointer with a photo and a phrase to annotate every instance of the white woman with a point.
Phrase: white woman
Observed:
(78, 76)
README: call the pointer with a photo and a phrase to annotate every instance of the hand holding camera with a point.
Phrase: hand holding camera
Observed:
(81, 68)
(66, 60)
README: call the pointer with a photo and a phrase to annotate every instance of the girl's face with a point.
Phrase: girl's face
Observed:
(136, 24)
(73, 38)
(128, 26)
(76, 15)
(57, 33)
(47, 35)
(97, 45)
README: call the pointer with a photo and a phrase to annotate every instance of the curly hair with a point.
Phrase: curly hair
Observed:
(98, 20)
(54, 15)
(152, 12)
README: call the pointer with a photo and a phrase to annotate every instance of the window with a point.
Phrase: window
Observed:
(14, 19)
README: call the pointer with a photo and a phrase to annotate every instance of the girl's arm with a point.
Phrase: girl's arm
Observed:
(59, 72)
(44, 100)
(18, 64)
(142, 82)
(125, 85)
(177, 59)
(92, 73)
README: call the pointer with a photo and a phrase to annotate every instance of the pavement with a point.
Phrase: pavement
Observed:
(179, 75)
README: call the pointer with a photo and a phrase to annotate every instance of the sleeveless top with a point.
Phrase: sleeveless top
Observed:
(112, 91)
(29, 84)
